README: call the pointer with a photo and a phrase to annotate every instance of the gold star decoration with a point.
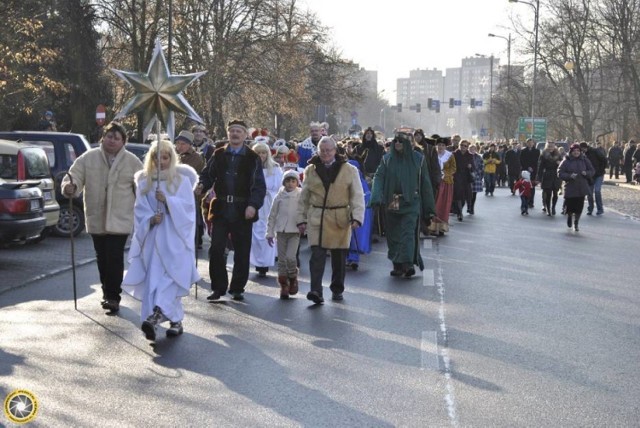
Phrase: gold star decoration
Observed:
(158, 92)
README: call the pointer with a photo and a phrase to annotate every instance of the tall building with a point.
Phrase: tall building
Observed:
(477, 79)
(419, 87)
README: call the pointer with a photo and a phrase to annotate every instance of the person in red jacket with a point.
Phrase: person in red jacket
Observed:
(523, 186)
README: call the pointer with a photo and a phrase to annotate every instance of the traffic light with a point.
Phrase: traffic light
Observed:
(472, 103)
(450, 102)
(399, 107)
(430, 103)
(418, 107)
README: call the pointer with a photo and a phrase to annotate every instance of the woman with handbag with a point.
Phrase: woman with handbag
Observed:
(575, 170)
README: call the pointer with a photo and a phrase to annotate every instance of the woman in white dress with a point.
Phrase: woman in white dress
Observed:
(162, 255)
(262, 254)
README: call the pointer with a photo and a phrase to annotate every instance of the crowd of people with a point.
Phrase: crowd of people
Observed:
(257, 196)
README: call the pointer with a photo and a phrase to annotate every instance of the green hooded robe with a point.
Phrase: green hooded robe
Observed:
(404, 172)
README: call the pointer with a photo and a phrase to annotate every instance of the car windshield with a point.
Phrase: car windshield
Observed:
(37, 164)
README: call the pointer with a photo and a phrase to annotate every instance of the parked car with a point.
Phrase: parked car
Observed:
(21, 211)
(62, 149)
(21, 162)
(138, 149)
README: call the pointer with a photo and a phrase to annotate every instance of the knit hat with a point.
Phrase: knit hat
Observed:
(526, 175)
(574, 146)
(290, 174)
(237, 123)
(185, 136)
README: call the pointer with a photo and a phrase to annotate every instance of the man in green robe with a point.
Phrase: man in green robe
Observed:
(402, 187)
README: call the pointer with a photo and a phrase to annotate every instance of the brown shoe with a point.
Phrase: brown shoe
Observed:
(293, 285)
(284, 287)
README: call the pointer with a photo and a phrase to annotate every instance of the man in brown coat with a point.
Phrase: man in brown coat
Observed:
(188, 156)
(330, 206)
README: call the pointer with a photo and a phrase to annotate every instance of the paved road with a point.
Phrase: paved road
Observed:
(22, 265)
(515, 322)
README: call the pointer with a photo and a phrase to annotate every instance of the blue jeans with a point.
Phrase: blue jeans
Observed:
(524, 204)
(596, 188)
(489, 183)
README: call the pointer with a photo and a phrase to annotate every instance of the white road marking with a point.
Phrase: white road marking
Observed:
(429, 351)
(443, 351)
(428, 278)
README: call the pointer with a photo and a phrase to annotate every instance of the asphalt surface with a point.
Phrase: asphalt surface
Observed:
(516, 321)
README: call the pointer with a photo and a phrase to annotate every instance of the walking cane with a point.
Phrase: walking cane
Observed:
(73, 250)
(196, 283)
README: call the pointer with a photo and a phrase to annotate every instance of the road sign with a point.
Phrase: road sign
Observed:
(539, 131)
(101, 115)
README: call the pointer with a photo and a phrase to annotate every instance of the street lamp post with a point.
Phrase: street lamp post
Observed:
(536, 8)
(170, 42)
(508, 39)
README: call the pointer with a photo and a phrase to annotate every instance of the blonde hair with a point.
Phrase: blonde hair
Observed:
(269, 163)
(170, 174)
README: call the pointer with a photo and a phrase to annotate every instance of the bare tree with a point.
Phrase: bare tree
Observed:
(619, 31)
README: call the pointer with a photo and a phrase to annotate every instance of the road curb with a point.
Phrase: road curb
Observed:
(625, 185)
(46, 275)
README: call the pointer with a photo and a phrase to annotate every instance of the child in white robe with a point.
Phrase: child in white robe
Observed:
(162, 253)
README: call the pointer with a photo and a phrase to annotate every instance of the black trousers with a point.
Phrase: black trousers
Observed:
(512, 181)
(338, 268)
(110, 256)
(240, 231)
(615, 167)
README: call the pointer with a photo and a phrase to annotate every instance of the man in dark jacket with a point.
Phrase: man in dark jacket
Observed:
(529, 157)
(428, 146)
(615, 159)
(512, 161)
(188, 156)
(599, 162)
(629, 151)
(374, 150)
(235, 172)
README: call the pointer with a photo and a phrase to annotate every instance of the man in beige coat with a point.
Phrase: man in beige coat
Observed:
(105, 174)
(331, 205)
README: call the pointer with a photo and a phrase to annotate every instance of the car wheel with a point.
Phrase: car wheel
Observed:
(75, 220)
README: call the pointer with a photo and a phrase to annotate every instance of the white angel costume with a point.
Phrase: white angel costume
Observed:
(162, 263)
(263, 255)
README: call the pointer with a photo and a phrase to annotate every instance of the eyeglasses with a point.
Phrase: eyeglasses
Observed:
(463, 145)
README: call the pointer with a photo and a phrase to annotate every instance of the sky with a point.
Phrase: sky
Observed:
(394, 37)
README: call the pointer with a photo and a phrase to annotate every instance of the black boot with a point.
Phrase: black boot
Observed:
(569, 219)
(397, 270)
(407, 270)
(575, 223)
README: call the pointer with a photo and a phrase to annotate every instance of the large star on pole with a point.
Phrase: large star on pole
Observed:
(158, 92)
